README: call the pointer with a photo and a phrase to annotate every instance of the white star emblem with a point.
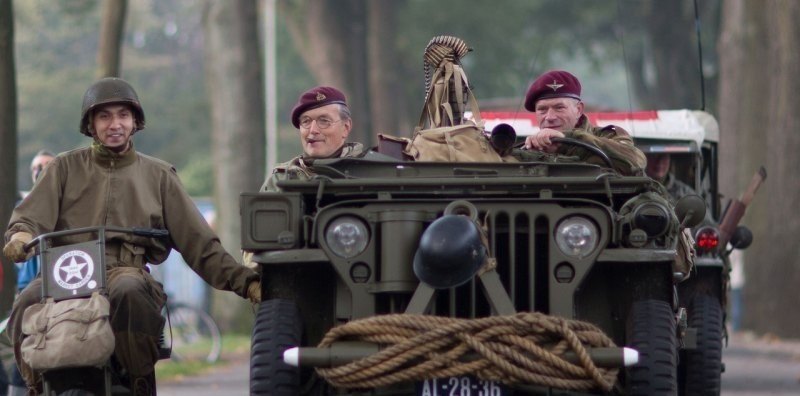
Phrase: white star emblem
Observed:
(73, 270)
(555, 85)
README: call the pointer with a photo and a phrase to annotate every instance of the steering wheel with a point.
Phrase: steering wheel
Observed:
(593, 149)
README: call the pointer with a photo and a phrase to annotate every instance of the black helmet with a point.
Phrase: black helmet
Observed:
(110, 90)
(450, 252)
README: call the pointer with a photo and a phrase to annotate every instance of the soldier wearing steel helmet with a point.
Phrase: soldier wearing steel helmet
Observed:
(110, 183)
(555, 98)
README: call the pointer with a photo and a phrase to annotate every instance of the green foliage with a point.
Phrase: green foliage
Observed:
(195, 176)
(163, 55)
(513, 41)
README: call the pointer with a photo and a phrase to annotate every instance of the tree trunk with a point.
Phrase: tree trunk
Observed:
(234, 84)
(111, 29)
(386, 102)
(235, 89)
(8, 142)
(670, 55)
(330, 37)
(759, 93)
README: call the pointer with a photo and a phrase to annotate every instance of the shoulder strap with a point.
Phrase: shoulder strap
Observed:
(437, 110)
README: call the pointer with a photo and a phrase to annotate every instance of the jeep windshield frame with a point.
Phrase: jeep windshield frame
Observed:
(362, 176)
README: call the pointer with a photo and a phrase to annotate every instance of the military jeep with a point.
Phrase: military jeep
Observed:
(570, 240)
(514, 274)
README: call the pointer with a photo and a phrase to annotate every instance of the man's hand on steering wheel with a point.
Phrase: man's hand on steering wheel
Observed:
(542, 140)
(549, 140)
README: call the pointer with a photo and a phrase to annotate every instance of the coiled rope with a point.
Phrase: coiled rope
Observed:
(522, 348)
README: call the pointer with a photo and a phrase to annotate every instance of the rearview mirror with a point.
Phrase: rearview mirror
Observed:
(691, 210)
(742, 238)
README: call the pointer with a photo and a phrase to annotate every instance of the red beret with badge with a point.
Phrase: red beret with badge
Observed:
(553, 84)
(316, 97)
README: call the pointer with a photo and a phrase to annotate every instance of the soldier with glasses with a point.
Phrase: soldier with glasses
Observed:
(323, 118)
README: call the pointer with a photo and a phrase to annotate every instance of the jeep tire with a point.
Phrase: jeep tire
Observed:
(652, 332)
(277, 328)
(704, 364)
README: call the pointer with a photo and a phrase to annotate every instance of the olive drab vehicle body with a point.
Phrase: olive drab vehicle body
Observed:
(317, 275)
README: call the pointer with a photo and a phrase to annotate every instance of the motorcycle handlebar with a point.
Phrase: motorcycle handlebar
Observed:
(138, 231)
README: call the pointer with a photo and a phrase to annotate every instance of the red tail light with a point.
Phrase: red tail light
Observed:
(706, 239)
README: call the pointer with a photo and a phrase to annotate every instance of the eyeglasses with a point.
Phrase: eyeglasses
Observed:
(322, 122)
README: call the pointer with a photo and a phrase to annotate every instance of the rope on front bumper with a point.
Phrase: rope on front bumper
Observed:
(522, 348)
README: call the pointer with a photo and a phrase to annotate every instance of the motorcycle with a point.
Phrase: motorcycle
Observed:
(78, 271)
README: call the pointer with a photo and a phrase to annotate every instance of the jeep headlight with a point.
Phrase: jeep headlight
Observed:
(651, 217)
(576, 236)
(347, 236)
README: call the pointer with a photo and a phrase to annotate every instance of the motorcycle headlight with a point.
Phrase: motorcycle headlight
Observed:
(576, 236)
(347, 236)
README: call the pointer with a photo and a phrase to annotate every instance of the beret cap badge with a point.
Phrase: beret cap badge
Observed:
(555, 85)
(563, 85)
(314, 98)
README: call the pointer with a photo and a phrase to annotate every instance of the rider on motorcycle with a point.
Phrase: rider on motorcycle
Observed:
(110, 184)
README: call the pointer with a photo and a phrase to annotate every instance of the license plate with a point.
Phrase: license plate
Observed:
(460, 386)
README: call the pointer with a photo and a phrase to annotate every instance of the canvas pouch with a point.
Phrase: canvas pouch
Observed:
(68, 333)
(443, 141)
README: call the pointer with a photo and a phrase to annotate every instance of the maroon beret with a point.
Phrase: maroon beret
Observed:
(316, 97)
(553, 84)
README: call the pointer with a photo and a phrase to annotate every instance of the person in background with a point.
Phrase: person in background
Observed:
(110, 183)
(658, 168)
(28, 270)
(555, 98)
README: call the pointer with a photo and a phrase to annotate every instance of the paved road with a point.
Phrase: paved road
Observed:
(231, 379)
(754, 367)
(761, 366)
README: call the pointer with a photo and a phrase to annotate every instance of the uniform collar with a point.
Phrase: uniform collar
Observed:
(107, 158)
(583, 124)
(348, 149)
(669, 180)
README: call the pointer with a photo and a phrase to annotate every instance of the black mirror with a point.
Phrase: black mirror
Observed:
(691, 210)
(742, 238)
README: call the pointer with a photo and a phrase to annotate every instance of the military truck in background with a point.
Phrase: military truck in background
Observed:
(537, 275)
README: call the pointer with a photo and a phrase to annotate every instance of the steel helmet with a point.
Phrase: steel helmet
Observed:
(106, 91)
(450, 252)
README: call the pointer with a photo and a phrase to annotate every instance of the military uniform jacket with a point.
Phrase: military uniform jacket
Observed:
(94, 187)
(676, 188)
(299, 169)
(613, 140)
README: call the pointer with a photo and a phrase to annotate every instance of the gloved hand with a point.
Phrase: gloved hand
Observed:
(247, 260)
(15, 248)
(254, 292)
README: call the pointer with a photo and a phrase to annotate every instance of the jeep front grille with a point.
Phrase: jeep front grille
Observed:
(519, 239)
